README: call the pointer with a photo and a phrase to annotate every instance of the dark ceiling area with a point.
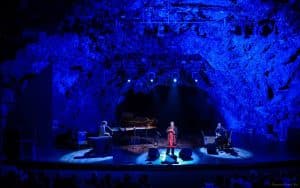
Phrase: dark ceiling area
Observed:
(190, 108)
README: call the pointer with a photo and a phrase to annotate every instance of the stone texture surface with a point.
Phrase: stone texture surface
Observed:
(245, 54)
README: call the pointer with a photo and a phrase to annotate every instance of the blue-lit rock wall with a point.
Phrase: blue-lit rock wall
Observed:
(245, 54)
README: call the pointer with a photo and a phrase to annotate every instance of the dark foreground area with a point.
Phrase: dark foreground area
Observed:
(33, 174)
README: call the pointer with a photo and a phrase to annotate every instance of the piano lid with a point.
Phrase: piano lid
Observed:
(130, 120)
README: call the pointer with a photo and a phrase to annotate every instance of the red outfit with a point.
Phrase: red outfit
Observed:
(171, 138)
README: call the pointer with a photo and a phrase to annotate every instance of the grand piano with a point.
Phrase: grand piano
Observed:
(135, 130)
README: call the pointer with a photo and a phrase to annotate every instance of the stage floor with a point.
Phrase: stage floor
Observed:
(244, 153)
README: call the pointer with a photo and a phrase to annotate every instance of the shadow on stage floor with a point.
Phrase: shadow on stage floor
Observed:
(244, 153)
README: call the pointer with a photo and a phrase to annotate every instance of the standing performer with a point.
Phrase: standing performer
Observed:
(172, 132)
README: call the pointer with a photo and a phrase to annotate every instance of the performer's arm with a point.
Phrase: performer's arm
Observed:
(112, 132)
(218, 132)
(109, 128)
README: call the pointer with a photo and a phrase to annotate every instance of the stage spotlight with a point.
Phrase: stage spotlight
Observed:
(151, 76)
(175, 76)
(128, 81)
(195, 76)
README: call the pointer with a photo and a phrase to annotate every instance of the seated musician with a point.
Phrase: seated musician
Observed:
(102, 129)
(172, 132)
(221, 136)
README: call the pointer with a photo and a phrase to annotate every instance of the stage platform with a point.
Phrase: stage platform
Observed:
(255, 152)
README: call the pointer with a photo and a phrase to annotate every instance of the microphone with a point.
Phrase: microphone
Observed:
(158, 133)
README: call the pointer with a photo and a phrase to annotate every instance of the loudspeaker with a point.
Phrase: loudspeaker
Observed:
(211, 149)
(11, 144)
(186, 154)
(293, 136)
(153, 154)
(27, 150)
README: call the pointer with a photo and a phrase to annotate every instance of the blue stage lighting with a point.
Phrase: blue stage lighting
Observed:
(151, 80)
(174, 80)
(128, 80)
(196, 80)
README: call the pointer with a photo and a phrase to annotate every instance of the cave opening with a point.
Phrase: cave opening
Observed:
(191, 108)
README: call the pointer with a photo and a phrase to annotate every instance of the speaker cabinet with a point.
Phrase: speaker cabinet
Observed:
(186, 154)
(211, 149)
(293, 136)
(153, 154)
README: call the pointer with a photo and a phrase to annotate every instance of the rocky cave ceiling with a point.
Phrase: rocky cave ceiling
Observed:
(244, 53)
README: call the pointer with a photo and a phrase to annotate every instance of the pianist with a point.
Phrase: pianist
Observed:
(103, 127)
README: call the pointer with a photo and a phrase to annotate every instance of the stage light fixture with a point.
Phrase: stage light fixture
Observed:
(174, 77)
(128, 81)
(151, 76)
(195, 76)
